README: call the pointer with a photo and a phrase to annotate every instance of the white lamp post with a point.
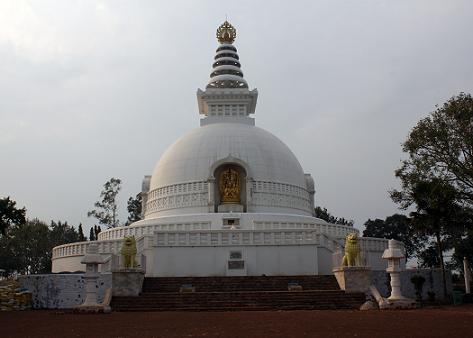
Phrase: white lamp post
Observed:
(394, 255)
(92, 259)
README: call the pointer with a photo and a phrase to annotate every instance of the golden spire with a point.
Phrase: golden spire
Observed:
(226, 33)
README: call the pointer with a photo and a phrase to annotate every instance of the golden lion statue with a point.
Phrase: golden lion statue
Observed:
(128, 252)
(352, 255)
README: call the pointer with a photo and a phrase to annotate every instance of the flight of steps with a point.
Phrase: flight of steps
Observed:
(239, 293)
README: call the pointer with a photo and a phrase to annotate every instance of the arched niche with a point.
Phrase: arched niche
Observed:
(229, 177)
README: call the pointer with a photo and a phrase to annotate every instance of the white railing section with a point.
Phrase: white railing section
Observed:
(237, 237)
(370, 244)
(333, 230)
(142, 230)
(144, 242)
(221, 238)
(80, 248)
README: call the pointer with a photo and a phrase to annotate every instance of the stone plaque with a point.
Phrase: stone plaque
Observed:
(235, 255)
(236, 265)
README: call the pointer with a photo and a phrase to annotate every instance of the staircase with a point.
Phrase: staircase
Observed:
(239, 293)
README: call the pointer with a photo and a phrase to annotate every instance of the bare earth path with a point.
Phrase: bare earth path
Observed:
(434, 322)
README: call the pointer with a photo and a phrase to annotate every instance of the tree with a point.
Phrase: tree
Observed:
(10, 214)
(107, 208)
(429, 256)
(62, 233)
(92, 235)
(437, 177)
(81, 233)
(437, 214)
(396, 227)
(134, 209)
(94, 232)
(322, 213)
(97, 230)
(27, 249)
(440, 147)
(463, 248)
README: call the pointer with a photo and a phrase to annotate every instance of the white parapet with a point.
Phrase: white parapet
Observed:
(271, 248)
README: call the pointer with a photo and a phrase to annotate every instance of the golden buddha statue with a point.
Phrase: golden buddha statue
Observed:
(229, 186)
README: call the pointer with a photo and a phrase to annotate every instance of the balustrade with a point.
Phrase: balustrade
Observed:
(237, 237)
(310, 236)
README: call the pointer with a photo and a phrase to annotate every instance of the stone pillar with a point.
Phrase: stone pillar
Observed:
(310, 185)
(396, 286)
(211, 194)
(466, 273)
(249, 188)
(144, 194)
(91, 276)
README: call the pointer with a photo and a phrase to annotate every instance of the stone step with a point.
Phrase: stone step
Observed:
(224, 304)
(227, 307)
(236, 301)
(239, 293)
(244, 308)
(248, 283)
(242, 298)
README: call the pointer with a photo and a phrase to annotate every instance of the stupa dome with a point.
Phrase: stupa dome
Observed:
(266, 160)
(263, 155)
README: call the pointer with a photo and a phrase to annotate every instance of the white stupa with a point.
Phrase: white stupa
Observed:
(228, 198)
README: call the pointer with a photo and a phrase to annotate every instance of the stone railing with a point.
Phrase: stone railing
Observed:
(201, 238)
(333, 230)
(144, 242)
(149, 229)
(80, 248)
(374, 244)
(221, 238)
(237, 237)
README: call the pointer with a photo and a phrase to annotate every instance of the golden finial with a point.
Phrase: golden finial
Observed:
(226, 33)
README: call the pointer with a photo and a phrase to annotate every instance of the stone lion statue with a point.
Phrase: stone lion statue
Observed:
(352, 255)
(128, 252)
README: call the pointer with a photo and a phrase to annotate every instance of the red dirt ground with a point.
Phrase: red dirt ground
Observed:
(433, 322)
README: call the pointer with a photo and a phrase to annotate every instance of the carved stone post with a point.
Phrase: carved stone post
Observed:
(394, 254)
(92, 259)
(211, 193)
(249, 188)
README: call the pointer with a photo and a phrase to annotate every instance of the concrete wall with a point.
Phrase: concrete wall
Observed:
(373, 259)
(64, 291)
(212, 261)
(324, 258)
(433, 283)
(61, 291)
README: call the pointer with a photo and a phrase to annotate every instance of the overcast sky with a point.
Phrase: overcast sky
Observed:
(91, 90)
